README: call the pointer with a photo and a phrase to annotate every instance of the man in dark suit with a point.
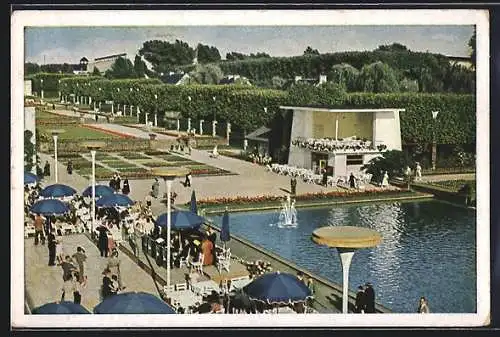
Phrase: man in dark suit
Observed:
(360, 304)
(370, 298)
(52, 247)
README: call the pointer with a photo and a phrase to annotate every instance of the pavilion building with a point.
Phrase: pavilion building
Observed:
(341, 140)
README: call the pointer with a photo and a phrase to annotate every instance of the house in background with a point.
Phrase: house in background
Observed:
(175, 78)
(460, 60)
(104, 63)
(235, 79)
(341, 140)
(82, 67)
(258, 140)
(311, 81)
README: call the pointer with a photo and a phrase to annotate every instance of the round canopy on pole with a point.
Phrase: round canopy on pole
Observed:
(346, 239)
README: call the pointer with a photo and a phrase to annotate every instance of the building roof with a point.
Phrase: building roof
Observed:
(172, 78)
(329, 109)
(459, 58)
(260, 135)
(110, 57)
(83, 59)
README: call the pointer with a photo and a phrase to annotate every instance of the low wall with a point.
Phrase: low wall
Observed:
(453, 197)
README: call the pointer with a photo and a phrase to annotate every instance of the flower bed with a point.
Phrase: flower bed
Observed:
(334, 195)
(340, 145)
(117, 164)
(173, 157)
(157, 164)
(100, 172)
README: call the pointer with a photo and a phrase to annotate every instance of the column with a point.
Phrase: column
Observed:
(41, 94)
(228, 131)
(156, 119)
(146, 118)
(189, 125)
(125, 109)
(137, 114)
(100, 103)
(90, 101)
(94, 105)
(131, 111)
(178, 126)
(245, 140)
(336, 129)
(214, 123)
(169, 221)
(112, 108)
(201, 126)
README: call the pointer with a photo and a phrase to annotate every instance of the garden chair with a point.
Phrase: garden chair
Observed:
(181, 287)
(184, 261)
(198, 266)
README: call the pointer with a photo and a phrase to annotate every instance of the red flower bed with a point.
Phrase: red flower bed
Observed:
(301, 197)
(115, 133)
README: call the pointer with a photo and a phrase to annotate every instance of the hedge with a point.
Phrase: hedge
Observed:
(244, 108)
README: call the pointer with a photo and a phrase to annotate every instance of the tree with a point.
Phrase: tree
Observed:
(165, 56)
(206, 74)
(29, 150)
(96, 72)
(278, 82)
(378, 77)
(122, 68)
(207, 54)
(310, 51)
(31, 68)
(407, 85)
(344, 74)
(472, 46)
(139, 67)
(396, 47)
(394, 162)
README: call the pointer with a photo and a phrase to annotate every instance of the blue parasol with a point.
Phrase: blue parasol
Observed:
(193, 205)
(181, 220)
(100, 191)
(114, 200)
(277, 288)
(224, 231)
(57, 191)
(30, 178)
(56, 308)
(133, 303)
(49, 207)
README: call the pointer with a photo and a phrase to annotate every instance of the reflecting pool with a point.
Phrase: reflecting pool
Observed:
(428, 249)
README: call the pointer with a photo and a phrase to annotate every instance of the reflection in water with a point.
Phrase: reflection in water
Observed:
(428, 249)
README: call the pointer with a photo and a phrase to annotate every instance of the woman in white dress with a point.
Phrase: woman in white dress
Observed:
(59, 249)
(385, 180)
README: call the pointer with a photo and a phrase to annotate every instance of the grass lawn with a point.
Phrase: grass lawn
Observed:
(77, 132)
(100, 172)
(119, 164)
(159, 164)
(454, 185)
(173, 157)
(47, 116)
(133, 155)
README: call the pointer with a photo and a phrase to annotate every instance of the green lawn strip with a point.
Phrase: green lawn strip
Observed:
(172, 157)
(453, 185)
(449, 170)
(158, 164)
(133, 155)
(45, 115)
(100, 172)
(155, 153)
(73, 132)
(248, 206)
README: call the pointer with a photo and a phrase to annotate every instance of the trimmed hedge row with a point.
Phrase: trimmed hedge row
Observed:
(244, 108)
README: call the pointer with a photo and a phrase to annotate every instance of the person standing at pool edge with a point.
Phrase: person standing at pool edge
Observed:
(370, 298)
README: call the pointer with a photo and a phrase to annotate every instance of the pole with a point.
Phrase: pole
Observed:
(92, 152)
(55, 157)
(336, 129)
(169, 221)
(346, 258)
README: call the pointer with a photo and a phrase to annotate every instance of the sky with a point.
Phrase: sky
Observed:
(69, 44)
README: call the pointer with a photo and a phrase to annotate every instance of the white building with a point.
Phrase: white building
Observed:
(341, 140)
(104, 63)
(28, 88)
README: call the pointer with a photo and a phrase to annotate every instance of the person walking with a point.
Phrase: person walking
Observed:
(114, 267)
(68, 268)
(39, 233)
(360, 303)
(352, 181)
(324, 180)
(52, 247)
(46, 169)
(187, 182)
(418, 172)
(293, 185)
(423, 306)
(77, 288)
(155, 189)
(107, 284)
(370, 298)
(80, 257)
(118, 182)
(103, 241)
(385, 179)
(69, 167)
(59, 248)
(126, 187)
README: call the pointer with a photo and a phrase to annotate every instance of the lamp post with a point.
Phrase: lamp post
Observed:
(55, 134)
(434, 116)
(156, 110)
(169, 174)
(346, 239)
(59, 90)
(214, 122)
(93, 147)
(41, 88)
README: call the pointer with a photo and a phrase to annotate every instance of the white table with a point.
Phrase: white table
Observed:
(205, 287)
